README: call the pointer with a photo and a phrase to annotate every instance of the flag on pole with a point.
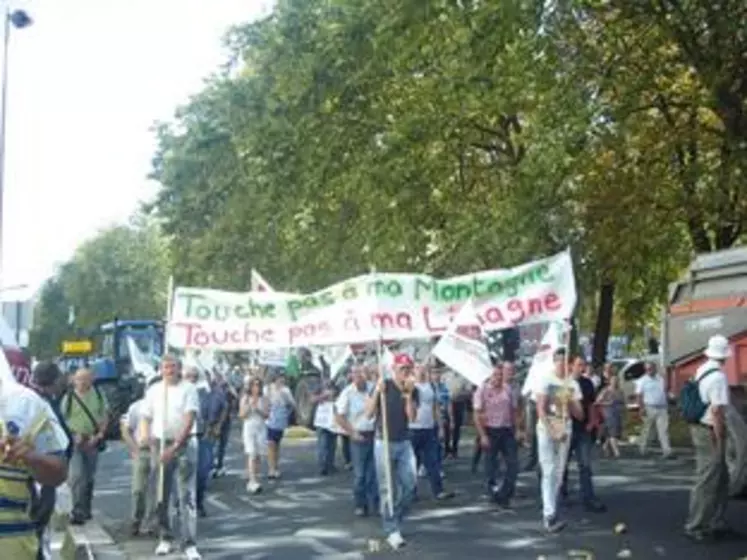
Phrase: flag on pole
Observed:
(542, 363)
(140, 363)
(462, 347)
(259, 284)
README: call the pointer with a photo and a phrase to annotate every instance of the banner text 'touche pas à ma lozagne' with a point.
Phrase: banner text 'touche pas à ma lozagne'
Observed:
(365, 308)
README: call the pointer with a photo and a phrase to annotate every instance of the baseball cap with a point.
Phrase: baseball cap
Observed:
(403, 360)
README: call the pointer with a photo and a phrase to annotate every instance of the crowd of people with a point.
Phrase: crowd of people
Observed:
(179, 431)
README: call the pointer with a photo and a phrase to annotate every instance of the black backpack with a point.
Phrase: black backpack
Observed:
(691, 405)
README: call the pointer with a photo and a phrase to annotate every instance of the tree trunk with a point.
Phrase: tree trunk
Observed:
(604, 324)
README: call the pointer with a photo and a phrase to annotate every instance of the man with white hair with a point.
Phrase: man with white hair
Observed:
(168, 419)
(710, 493)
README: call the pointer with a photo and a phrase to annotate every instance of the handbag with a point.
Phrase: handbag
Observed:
(102, 445)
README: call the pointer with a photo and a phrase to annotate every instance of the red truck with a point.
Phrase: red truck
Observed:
(711, 298)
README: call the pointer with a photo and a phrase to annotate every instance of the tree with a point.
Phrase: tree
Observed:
(452, 136)
(122, 272)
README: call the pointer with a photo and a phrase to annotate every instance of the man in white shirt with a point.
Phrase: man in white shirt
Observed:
(710, 493)
(169, 418)
(651, 394)
(350, 410)
(558, 397)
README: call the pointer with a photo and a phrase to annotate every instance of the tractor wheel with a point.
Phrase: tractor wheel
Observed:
(305, 388)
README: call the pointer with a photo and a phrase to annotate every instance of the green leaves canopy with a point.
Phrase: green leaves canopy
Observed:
(449, 136)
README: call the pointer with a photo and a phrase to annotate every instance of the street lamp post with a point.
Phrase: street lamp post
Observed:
(18, 19)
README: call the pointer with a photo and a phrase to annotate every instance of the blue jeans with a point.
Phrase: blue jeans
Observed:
(425, 446)
(365, 491)
(326, 443)
(440, 449)
(402, 461)
(204, 464)
(581, 446)
(503, 442)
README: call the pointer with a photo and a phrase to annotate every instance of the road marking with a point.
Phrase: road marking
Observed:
(215, 502)
(447, 512)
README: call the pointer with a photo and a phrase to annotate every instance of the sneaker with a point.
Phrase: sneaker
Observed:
(421, 472)
(164, 548)
(395, 540)
(192, 553)
(359, 512)
(554, 525)
(253, 487)
(348, 466)
(445, 495)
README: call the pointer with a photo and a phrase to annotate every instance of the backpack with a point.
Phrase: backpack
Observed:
(691, 405)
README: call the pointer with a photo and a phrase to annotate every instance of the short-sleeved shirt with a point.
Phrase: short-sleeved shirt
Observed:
(180, 398)
(424, 419)
(352, 405)
(588, 396)
(134, 416)
(497, 404)
(652, 390)
(444, 399)
(550, 385)
(281, 406)
(714, 388)
(77, 420)
(396, 415)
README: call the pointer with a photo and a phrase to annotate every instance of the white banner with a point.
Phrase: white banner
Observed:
(463, 348)
(371, 307)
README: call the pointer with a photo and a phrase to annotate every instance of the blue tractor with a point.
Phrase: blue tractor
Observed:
(112, 367)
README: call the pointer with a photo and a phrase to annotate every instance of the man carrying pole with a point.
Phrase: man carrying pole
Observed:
(393, 403)
(173, 427)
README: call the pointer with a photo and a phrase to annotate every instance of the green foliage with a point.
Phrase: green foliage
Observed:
(450, 136)
(121, 272)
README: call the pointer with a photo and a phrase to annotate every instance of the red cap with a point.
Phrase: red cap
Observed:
(403, 360)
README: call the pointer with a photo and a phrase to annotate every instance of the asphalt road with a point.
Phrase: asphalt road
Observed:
(305, 516)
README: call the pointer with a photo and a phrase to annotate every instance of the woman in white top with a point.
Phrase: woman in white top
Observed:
(254, 409)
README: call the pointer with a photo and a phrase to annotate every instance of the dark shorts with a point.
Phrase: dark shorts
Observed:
(274, 436)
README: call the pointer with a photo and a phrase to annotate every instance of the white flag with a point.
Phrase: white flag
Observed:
(462, 347)
(259, 284)
(70, 315)
(542, 363)
(140, 363)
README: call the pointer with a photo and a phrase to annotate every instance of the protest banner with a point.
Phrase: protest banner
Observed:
(371, 307)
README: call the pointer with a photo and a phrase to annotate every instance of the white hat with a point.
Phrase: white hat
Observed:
(718, 348)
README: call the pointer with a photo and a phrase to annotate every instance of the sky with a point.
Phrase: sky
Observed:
(86, 82)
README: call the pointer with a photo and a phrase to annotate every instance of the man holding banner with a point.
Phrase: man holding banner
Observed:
(400, 398)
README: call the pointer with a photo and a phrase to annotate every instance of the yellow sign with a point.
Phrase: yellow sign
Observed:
(77, 347)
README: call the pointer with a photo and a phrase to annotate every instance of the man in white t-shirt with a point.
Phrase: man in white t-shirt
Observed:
(558, 397)
(651, 393)
(710, 493)
(169, 417)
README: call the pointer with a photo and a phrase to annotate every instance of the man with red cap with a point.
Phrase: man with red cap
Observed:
(401, 399)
